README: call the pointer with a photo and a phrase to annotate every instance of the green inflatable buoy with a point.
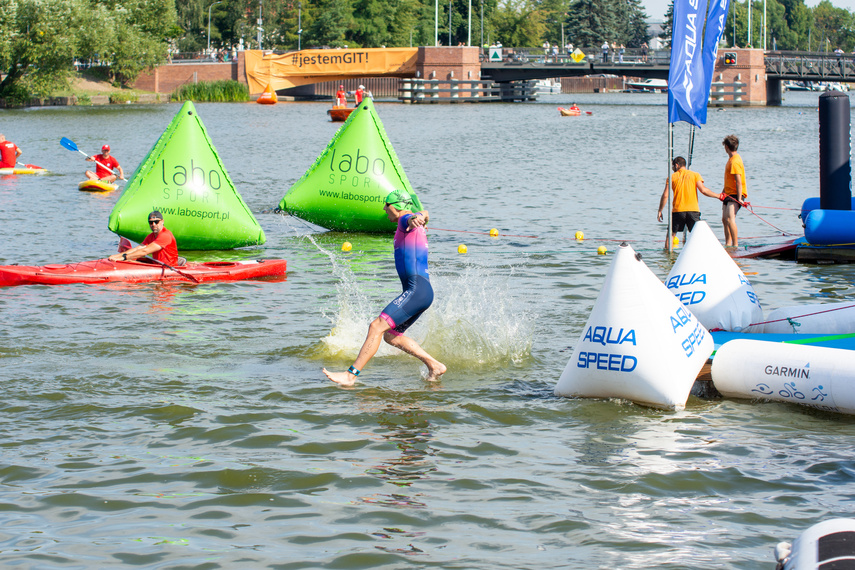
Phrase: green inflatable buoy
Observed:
(344, 190)
(183, 178)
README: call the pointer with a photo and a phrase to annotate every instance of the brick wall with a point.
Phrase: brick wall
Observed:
(166, 78)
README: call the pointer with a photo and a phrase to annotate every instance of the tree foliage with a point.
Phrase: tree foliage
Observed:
(41, 39)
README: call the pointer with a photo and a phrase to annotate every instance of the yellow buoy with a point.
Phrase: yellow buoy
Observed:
(676, 240)
(602, 250)
(580, 236)
(494, 232)
(461, 248)
(346, 246)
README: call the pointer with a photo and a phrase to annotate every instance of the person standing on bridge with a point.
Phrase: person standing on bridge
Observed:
(605, 51)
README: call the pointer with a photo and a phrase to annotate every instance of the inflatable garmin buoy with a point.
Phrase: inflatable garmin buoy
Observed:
(267, 97)
(827, 545)
(640, 343)
(344, 190)
(707, 281)
(182, 176)
(813, 376)
(818, 318)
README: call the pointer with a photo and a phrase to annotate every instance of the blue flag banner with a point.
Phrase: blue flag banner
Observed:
(716, 19)
(687, 98)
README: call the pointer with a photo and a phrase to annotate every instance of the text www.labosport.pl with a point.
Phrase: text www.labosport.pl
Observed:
(192, 213)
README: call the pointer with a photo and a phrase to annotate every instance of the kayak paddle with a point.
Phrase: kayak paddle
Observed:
(125, 245)
(181, 273)
(70, 145)
(29, 166)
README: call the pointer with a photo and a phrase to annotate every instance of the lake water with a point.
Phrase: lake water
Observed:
(182, 426)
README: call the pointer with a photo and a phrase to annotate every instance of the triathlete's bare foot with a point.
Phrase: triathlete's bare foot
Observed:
(341, 378)
(435, 371)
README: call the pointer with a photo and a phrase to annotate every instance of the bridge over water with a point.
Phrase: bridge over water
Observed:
(524, 64)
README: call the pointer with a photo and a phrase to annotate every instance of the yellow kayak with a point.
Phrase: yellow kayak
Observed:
(96, 186)
(27, 170)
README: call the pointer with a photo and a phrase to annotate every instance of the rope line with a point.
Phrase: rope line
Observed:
(791, 319)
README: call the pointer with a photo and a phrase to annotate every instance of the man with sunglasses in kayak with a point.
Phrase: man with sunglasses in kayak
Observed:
(160, 244)
(104, 166)
(411, 255)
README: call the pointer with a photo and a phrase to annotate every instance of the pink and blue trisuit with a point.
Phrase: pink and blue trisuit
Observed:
(411, 261)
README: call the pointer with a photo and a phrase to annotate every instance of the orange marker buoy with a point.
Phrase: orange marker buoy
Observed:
(268, 97)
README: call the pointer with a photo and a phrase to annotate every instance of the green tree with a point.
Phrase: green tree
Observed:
(331, 25)
(590, 22)
(832, 27)
(518, 23)
(38, 44)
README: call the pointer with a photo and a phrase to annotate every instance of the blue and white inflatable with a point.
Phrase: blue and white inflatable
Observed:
(813, 376)
(707, 281)
(818, 318)
(640, 343)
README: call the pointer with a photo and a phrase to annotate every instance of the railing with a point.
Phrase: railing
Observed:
(461, 91)
(632, 56)
(827, 66)
(727, 94)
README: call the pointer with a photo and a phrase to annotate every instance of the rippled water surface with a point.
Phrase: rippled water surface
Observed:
(167, 426)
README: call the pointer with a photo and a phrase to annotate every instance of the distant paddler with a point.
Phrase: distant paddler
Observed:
(340, 97)
(9, 153)
(105, 164)
(411, 262)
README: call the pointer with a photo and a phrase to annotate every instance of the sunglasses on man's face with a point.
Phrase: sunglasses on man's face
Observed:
(154, 221)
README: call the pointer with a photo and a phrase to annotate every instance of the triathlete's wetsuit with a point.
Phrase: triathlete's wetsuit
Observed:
(411, 261)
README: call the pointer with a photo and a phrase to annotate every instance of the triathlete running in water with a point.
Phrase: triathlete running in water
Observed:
(411, 262)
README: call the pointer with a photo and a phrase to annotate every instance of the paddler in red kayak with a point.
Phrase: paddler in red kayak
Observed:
(160, 244)
(104, 166)
(9, 153)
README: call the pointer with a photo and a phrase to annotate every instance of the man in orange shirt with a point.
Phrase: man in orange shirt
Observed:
(685, 184)
(341, 97)
(735, 190)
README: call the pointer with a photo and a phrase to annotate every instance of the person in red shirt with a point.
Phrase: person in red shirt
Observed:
(359, 94)
(9, 153)
(104, 166)
(160, 244)
(341, 97)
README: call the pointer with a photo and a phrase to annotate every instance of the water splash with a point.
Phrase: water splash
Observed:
(474, 320)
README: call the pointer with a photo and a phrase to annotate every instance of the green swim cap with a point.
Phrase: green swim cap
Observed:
(400, 199)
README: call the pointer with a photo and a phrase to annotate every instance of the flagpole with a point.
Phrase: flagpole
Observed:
(668, 239)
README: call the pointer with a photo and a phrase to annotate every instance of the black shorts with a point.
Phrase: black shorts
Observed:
(683, 220)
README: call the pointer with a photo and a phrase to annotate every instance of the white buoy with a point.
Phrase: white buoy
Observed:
(828, 544)
(639, 343)
(818, 318)
(707, 280)
(814, 376)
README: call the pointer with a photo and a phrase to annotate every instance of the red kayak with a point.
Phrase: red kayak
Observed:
(106, 271)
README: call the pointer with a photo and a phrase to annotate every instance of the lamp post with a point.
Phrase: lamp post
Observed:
(482, 24)
(260, 24)
(209, 24)
(299, 25)
(449, 21)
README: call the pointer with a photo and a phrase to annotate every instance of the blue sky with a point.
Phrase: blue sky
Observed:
(656, 8)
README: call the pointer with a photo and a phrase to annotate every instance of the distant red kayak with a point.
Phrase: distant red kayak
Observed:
(339, 113)
(106, 271)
